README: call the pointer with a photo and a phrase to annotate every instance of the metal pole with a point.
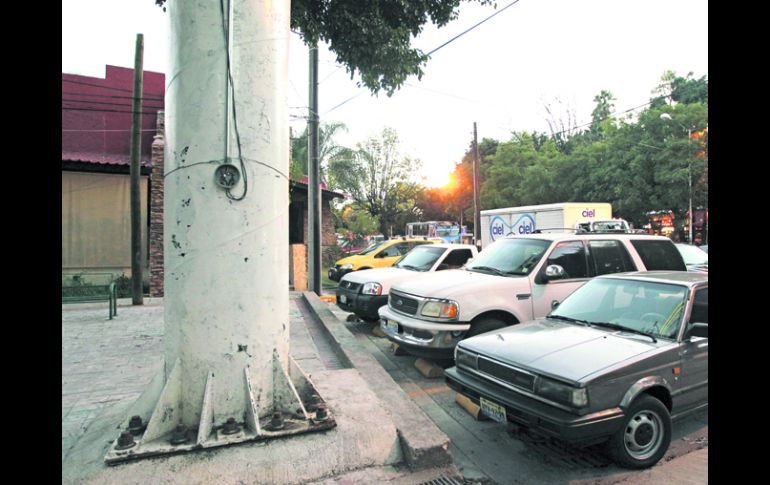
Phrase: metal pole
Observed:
(314, 189)
(136, 155)
(476, 203)
(689, 176)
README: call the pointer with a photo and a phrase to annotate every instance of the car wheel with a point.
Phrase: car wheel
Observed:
(485, 325)
(645, 435)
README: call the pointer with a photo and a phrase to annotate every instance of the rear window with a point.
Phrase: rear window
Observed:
(659, 255)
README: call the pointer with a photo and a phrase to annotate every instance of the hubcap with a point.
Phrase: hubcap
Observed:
(643, 435)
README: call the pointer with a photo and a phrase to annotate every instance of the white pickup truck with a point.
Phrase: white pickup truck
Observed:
(364, 292)
(515, 279)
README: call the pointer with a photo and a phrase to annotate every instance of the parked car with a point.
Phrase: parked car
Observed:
(617, 361)
(364, 292)
(379, 255)
(695, 258)
(514, 279)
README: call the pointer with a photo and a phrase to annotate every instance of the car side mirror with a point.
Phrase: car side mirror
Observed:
(554, 272)
(697, 329)
(470, 260)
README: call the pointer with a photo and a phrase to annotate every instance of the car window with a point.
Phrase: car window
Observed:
(571, 256)
(389, 252)
(420, 258)
(700, 306)
(457, 258)
(609, 257)
(659, 255)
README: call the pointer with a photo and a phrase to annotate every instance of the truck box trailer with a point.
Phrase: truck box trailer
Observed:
(499, 223)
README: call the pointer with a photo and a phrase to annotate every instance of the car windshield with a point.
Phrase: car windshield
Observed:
(510, 256)
(654, 309)
(693, 254)
(420, 258)
(374, 247)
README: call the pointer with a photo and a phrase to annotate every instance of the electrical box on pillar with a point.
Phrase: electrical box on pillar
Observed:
(227, 375)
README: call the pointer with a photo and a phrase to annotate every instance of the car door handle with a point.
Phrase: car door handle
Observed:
(523, 296)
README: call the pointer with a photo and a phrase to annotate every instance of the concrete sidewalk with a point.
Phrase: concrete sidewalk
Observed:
(106, 364)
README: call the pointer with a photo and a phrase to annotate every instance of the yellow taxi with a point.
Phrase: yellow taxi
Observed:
(379, 255)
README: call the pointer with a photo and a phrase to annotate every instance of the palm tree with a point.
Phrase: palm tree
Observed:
(327, 149)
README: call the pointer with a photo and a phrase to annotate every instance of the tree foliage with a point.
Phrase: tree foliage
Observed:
(327, 149)
(376, 177)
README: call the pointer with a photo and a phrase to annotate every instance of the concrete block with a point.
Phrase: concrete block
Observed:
(377, 331)
(397, 350)
(428, 368)
(472, 408)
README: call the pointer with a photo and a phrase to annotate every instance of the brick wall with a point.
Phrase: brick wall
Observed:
(156, 211)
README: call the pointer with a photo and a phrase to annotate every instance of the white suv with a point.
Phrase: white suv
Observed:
(513, 280)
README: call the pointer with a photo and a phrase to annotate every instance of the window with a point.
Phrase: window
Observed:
(389, 252)
(572, 257)
(609, 257)
(700, 307)
(457, 258)
(659, 255)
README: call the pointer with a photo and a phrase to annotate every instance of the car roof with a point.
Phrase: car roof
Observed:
(451, 245)
(560, 236)
(687, 278)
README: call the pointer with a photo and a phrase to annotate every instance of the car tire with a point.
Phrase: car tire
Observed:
(645, 435)
(484, 325)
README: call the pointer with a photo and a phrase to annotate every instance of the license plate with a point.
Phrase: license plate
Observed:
(493, 410)
(343, 299)
(391, 326)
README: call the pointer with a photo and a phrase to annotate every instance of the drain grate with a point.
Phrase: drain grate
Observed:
(443, 481)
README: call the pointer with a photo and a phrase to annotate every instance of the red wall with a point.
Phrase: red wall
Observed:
(98, 106)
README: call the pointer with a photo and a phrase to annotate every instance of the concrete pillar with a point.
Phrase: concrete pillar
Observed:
(227, 365)
(226, 297)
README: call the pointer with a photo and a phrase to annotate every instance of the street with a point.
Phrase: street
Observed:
(504, 454)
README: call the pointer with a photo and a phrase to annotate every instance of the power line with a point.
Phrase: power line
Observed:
(436, 49)
(605, 118)
(96, 85)
(473, 27)
(87, 101)
(111, 96)
(108, 111)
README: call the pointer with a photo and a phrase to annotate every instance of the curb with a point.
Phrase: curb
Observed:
(423, 443)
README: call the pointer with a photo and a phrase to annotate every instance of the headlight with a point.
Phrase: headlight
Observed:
(372, 289)
(346, 266)
(562, 393)
(465, 359)
(440, 309)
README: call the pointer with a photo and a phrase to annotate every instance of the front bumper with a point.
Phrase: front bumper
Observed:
(365, 306)
(529, 412)
(422, 338)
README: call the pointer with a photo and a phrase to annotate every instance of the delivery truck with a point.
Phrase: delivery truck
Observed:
(499, 223)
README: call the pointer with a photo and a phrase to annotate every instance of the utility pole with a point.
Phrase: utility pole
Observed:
(136, 156)
(476, 203)
(314, 179)
(227, 375)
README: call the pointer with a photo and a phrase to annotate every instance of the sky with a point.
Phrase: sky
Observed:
(499, 75)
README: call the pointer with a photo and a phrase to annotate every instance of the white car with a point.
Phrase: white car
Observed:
(364, 292)
(513, 280)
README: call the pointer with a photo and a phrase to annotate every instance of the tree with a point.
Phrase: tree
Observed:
(373, 37)
(327, 149)
(377, 178)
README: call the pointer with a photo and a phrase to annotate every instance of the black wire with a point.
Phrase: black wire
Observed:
(97, 85)
(235, 117)
(110, 96)
(87, 101)
(436, 49)
(109, 111)
(471, 28)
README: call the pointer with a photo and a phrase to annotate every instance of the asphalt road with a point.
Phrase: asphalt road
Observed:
(491, 452)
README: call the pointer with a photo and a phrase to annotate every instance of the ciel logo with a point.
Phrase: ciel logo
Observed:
(497, 228)
(589, 213)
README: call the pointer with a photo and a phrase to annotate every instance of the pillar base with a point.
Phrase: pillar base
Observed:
(297, 409)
